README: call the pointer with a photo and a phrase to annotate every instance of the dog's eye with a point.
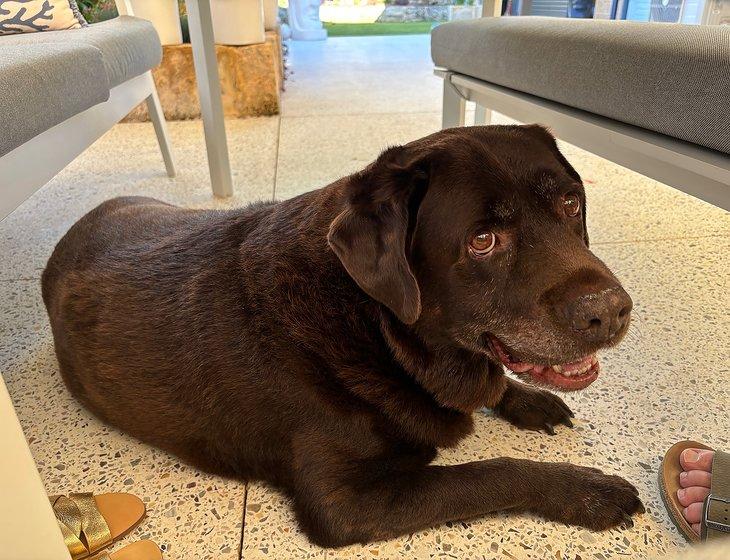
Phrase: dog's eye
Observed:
(571, 204)
(482, 244)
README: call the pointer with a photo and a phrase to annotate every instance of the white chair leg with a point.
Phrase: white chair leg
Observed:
(158, 120)
(454, 106)
(482, 115)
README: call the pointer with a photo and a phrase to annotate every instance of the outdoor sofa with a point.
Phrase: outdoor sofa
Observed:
(652, 97)
(61, 90)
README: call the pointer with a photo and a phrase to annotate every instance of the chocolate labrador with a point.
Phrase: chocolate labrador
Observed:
(330, 344)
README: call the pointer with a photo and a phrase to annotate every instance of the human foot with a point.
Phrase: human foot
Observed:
(695, 481)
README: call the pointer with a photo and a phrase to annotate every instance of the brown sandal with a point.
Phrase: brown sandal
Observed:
(90, 523)
(142, 550)
(715, 521)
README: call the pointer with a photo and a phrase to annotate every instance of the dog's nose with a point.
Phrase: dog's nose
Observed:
(599, 316)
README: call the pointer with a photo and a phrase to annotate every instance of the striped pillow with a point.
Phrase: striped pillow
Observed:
(28, 16)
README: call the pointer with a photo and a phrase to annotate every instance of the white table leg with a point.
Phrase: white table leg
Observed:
(209, 90)
(454, 106)
(482, 115)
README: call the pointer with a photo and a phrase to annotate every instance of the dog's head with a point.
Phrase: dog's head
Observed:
(477, 237)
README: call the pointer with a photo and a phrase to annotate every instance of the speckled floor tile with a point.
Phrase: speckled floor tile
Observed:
(126, 161)
(270, 530)
(23, 324)
(357, 75)
(314, 151)
(189, 514)
(668, 381)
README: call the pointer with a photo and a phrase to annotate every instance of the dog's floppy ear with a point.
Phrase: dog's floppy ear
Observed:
(544, 134)
(370, 235)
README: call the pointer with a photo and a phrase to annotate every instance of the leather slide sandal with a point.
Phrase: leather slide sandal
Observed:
(90, 523)
(715, 520)
(142, 550)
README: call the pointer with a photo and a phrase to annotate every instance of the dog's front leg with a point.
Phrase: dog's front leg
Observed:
(374, 502)
(532, 409)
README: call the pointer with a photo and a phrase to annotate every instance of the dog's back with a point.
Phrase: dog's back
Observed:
(70, 279)
(95, 235)
(126, 288)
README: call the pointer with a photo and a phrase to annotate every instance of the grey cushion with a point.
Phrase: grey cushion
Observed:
(669, 78)
(43, 85)
(129, 46)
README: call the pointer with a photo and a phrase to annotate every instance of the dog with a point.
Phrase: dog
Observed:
(330, 344)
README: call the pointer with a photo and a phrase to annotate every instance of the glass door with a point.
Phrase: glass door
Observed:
(697, 12)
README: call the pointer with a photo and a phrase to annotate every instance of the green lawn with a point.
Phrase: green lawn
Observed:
(357, 29)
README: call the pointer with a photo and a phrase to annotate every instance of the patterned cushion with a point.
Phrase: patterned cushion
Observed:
(28, 16)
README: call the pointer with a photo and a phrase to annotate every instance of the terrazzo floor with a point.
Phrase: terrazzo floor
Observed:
(347, 99)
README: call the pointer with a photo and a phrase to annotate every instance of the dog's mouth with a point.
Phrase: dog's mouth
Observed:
(572, 376)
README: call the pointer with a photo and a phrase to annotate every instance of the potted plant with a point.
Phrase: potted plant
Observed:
(164, 15)
(238, 22)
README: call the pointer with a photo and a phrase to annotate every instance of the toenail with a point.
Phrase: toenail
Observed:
(683, 475)
(691, 456)
(681, 492)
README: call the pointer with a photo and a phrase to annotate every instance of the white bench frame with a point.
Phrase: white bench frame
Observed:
(31, 165)
(697, 171)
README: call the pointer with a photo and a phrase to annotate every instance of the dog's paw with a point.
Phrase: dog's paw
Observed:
(587, 497)
(533, 409)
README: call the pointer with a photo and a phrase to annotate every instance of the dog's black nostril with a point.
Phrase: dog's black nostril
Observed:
(599, 316)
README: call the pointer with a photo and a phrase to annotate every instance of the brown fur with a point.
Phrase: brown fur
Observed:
(331, 343)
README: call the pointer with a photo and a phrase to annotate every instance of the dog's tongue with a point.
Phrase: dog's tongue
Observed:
(568, 377)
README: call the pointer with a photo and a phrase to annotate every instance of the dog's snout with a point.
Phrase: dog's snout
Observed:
(599, 316)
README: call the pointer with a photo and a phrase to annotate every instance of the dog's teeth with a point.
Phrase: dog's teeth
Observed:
(572, 373)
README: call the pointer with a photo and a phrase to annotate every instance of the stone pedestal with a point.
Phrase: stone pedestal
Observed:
(251, 81)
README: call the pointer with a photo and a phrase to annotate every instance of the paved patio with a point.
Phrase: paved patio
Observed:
(347, 99)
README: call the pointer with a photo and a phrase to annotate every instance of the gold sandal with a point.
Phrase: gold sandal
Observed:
(90, 523)
(142, 550)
